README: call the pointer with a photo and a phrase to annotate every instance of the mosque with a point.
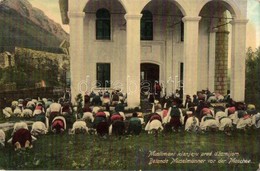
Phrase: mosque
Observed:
(183, 44)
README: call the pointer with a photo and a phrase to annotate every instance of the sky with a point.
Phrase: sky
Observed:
(52, 10)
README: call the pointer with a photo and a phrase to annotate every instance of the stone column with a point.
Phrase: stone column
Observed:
(191, 34)
(238, 56)
(221, 65)
(133, 59)
(211, 67)
(77, 64)
(169, 77)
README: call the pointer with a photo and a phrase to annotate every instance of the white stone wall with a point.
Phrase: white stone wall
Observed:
(106, 51)
(166, 50)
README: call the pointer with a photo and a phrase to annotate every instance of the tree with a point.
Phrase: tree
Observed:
(252, 77)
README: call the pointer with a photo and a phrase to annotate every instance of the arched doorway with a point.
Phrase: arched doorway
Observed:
(149, 74)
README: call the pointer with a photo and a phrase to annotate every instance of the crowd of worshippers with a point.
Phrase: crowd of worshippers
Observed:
(166, 115)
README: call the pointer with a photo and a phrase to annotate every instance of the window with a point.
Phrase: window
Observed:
(147, 26)
(103, 24)
(103, 75)
(182, 31)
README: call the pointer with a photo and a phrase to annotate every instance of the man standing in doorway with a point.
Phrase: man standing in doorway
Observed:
(157, 90)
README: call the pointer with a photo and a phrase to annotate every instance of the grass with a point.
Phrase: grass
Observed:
(71, 152)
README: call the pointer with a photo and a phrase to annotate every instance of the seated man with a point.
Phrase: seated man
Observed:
(66, 109)
(58, 124)
(135, 126)
(96, 100)
(115, 98)
(106, 98)
(156, 105)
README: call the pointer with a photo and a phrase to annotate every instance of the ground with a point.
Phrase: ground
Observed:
(216, 151)
(141, 152)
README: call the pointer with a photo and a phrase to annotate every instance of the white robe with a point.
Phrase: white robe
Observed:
(19, 125)
(2, 137)
(242, 123)
(39, 127)
(88, 116)
(191, 122)
(154, 125)
(234, 118)
(55, 107)
(224, 120)
(256, 120)
(79, 125)
(209, 123)
(18, 112)
(27, 113)
(7, 112)
(95, 109)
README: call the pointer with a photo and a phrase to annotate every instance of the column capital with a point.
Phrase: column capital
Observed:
(191, 18)
(239, 21)
(76, 14)
(133, 16)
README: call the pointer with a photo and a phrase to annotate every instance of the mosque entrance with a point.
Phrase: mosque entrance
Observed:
(149, 74)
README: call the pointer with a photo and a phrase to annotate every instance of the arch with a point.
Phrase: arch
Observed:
(229, 4)
(180, 4)
(151, 62)
(120, 1)
(103, 13)
(123, 4)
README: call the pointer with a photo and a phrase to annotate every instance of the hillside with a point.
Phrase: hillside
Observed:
(25, 26)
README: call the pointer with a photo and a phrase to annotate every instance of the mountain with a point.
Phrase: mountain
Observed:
(23, 25)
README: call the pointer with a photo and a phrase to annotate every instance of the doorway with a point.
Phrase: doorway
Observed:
(149, 74)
